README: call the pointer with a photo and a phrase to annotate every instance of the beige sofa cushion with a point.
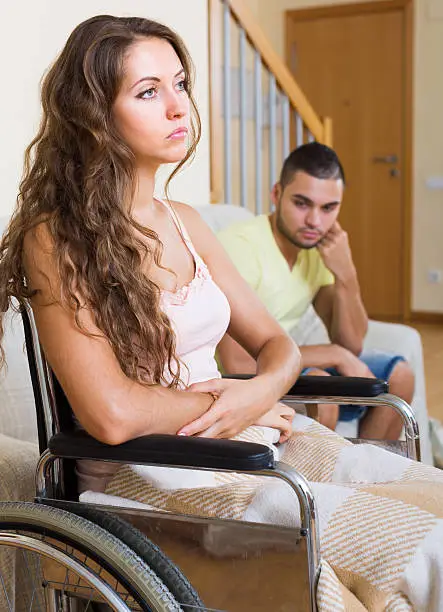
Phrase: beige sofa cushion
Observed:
(17, 411)
(219, 216)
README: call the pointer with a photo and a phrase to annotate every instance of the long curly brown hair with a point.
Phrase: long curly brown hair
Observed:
(79, 177)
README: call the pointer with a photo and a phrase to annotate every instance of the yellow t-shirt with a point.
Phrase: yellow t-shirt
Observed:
(286, 293)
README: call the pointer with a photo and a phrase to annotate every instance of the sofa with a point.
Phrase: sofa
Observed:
(18, 429)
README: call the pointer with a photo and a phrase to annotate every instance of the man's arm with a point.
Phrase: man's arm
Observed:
(235, 360)
(340, 305)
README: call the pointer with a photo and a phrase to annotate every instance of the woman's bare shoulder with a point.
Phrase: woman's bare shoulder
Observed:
(38, 244)
(200, 233)
(185, 211)
(39, 259)
(193, 221)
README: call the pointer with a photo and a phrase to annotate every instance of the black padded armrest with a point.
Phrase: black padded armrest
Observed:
(332, 386)
(339, 386)
(161, 449)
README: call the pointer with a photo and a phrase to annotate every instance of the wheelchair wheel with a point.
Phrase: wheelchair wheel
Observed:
(170, 575)
(54, 561)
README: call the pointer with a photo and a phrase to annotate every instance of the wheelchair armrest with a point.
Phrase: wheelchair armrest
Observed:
(167, 450)
(331, 386)
(339, 386)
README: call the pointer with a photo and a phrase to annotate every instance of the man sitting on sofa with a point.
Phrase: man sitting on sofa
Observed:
(298, 256)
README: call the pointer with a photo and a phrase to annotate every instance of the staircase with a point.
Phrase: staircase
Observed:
(258, 113)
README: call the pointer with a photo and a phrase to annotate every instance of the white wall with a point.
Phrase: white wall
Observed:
(427, 247)
(34, 31)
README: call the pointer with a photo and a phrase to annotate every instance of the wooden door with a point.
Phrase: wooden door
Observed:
(351, 67)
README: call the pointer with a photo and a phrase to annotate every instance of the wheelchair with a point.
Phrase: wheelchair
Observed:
(77, 557)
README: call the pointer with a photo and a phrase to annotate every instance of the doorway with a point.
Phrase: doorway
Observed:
(354, 62)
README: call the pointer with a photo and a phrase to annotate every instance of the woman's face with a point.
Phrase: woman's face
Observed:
(151, 110)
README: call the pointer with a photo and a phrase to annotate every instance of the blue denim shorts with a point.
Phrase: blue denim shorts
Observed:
(381, 365)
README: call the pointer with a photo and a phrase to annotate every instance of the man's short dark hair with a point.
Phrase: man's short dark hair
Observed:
(314, 159)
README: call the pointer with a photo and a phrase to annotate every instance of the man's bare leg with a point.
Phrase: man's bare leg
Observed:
(327, 413)
(383, 422)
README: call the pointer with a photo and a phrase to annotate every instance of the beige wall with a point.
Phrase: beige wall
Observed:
(34, 32)
(427, 248)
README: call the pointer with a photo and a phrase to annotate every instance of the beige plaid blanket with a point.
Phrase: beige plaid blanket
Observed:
(380, 515)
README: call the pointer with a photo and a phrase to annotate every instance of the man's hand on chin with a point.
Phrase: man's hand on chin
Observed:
(336, 254)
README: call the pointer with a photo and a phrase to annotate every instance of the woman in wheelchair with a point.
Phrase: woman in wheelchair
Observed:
(131, 294)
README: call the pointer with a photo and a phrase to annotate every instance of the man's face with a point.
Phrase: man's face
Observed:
(307, 208)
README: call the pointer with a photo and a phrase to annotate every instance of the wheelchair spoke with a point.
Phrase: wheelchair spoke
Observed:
(65, 581)
(45, 596)
(8, 602)
(43, 581)
(32, 602)
(90, 601)
(30, 573)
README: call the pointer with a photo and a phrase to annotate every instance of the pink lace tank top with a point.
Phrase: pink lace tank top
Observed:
(199, 313)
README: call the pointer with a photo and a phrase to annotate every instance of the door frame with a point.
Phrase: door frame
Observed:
(383, 6)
